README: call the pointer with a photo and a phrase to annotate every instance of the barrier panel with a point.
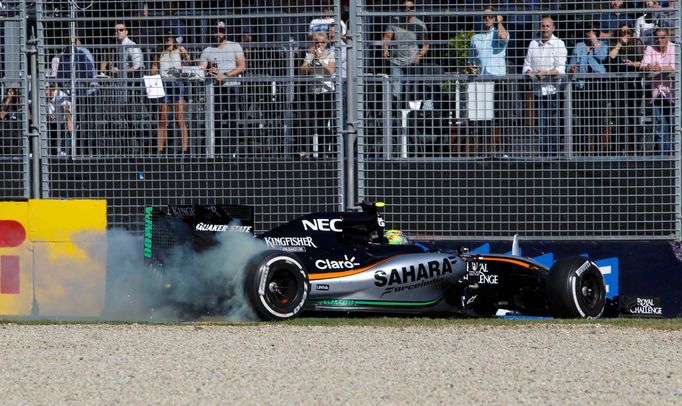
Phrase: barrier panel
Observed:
(643, 278)
(52, 258)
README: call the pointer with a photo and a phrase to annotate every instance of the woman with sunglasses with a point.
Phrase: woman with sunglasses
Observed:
(171, 56)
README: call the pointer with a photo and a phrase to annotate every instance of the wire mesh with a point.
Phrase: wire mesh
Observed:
(181, 101)
(546, 119)
(14, 175)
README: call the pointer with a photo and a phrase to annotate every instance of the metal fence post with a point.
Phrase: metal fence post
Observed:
(34, 133)
(351, 108)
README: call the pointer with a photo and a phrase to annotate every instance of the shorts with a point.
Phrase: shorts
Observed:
(175, 91)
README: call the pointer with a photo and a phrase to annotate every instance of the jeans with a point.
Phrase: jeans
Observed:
(663, 124)
(398, 81)
(548, 120)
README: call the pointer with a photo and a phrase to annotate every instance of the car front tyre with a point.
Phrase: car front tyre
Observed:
(576, 289)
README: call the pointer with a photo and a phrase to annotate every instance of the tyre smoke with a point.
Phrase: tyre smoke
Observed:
(189, 284)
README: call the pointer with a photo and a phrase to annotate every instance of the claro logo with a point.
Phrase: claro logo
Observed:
(12, 234)
(322, 225)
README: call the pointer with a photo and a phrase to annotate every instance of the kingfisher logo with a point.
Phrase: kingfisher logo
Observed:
(12, 235)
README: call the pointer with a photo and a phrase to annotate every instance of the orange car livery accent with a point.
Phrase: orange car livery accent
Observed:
(334, 275)
(512, 261)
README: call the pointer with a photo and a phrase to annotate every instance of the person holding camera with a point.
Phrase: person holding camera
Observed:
(488, 57)
(320, 62)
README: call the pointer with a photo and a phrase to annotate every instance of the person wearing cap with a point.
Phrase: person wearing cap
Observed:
(171, 56)
(323, 23)
(222, 62)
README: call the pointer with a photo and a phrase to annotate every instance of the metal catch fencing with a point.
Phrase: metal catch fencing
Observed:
(178, 101)
(14, 162)
(546, 119)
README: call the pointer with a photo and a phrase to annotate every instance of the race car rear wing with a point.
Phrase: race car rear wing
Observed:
(166, 227)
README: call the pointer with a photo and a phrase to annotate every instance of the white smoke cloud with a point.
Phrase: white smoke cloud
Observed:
(189, 284)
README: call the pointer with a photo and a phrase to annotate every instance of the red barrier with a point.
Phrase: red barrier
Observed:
(12, 234)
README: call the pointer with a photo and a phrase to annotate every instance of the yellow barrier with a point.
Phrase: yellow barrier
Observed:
(53, 251)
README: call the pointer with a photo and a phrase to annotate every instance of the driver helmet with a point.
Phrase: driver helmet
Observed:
(396, 237)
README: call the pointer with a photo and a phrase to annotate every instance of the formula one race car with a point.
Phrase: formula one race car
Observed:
(346, 262)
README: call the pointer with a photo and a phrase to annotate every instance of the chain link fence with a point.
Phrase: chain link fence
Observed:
(547, 119)
(192, 101)
(14, 170)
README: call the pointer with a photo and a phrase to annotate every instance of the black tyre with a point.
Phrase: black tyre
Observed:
(276, 285)
(576, 289)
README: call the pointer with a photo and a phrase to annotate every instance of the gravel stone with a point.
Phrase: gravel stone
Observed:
(354, 365)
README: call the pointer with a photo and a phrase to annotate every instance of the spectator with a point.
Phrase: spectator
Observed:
(343, 60)
(84, 85)
(644, 25)
(323, 24)
(84, 65)
(405, 43)
(169, 57)
(588, 57)
(667, 18)
(659, 61)
(625, 90)
(545, 61)
(320, 62)
(488, 58)
(223, 62)
(130, 117)
(609, 22)
(10, 121)
(128, 61)
(59, 119)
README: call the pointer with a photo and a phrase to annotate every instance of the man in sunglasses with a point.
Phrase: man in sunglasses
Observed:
(406, 42)
(224, 62)
(128, 61)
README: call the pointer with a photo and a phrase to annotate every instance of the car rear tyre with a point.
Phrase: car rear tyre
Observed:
(576, 289)
(276, 285)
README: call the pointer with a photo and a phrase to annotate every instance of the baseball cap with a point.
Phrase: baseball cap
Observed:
(221, 26)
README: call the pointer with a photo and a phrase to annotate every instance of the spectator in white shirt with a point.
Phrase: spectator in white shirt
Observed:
(128, 62)
(545, 61)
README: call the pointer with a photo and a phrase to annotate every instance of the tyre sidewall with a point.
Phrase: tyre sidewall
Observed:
(564, 288)
(260, 271)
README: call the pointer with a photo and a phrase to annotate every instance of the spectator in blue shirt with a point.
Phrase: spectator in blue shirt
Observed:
(84, 66)
(489, 48)
(488, 57)
(589, 93)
